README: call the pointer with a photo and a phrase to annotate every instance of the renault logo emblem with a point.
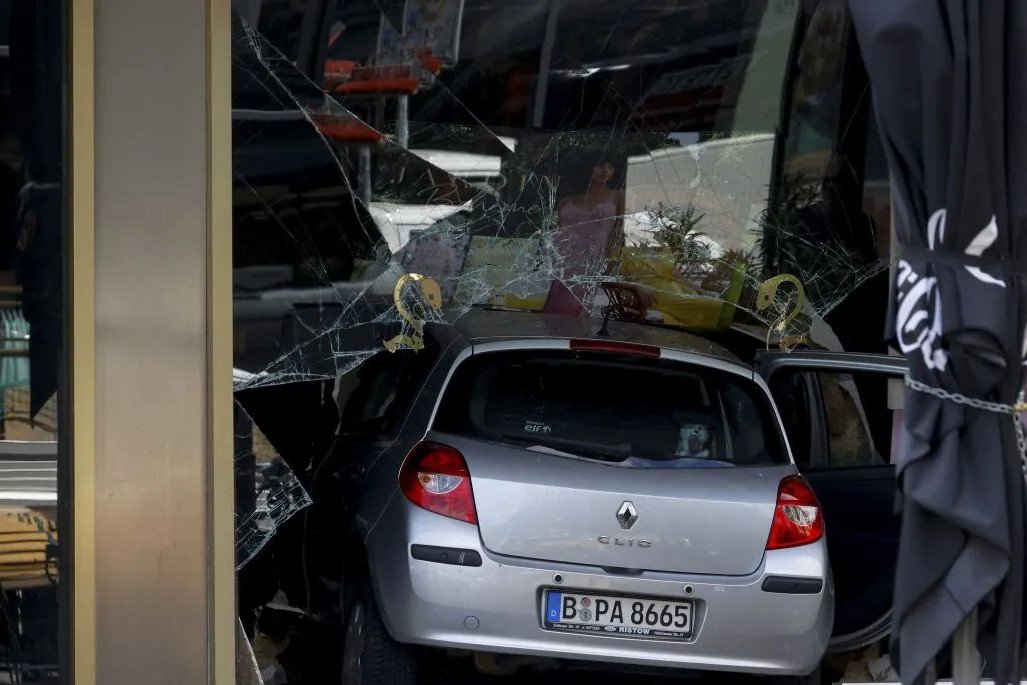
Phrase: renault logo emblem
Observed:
(627, 515)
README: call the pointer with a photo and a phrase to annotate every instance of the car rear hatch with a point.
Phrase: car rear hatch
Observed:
(619, 460)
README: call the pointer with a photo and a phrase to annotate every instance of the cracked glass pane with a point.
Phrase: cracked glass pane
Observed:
(268, 493)
(699, 165)
(563, 158)
(247, 672)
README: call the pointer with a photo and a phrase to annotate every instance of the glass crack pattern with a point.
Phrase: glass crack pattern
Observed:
(268, 493)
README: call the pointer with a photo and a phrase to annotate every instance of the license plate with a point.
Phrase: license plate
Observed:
(576, 612)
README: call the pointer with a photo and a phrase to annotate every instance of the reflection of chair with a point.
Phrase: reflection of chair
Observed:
(29, 553)
(380, 80)
(28, 549)
(28, 629)
(628, 301)
(345, 128)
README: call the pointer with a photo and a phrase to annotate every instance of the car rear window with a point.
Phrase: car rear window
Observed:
(627, 410)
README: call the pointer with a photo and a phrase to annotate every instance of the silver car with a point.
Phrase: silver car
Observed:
(544, 490)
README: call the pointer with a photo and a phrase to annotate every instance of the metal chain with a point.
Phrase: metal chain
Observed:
(1021, 442)
(1011, 410)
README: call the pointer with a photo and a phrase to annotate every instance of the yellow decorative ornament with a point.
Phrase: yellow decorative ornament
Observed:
(430, 295)
(766, 296)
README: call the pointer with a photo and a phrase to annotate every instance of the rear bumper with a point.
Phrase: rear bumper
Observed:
(496, 607)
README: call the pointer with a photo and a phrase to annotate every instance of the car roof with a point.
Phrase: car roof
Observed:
(481, 326)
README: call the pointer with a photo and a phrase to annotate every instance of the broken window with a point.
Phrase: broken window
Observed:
(702, 165)
(567, 158)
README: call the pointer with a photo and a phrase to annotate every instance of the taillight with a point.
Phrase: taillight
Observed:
(798, 519)
(435, 477)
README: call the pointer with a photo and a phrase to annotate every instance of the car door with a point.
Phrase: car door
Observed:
(372, 401)
(842, 413)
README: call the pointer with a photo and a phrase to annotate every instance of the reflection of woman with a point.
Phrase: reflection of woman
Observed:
(589, 229)
(595, 214)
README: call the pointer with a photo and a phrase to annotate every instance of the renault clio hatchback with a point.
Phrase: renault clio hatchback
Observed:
(548, 490)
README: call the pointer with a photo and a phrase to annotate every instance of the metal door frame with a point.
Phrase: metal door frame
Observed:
(153, 581)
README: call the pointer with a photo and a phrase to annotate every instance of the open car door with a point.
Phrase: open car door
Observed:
(842, 413)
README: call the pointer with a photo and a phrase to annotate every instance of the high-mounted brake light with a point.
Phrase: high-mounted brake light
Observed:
(615, 347)
(798, 518)
(435, 477)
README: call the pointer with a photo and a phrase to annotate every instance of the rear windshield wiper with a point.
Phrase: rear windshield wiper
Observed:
(679, 463)
(614, 453)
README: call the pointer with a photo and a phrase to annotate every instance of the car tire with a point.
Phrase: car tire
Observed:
(369, 654)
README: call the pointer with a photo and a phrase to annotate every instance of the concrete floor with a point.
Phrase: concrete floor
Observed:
(460, 672)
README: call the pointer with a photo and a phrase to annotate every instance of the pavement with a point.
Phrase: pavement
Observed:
(461, 672)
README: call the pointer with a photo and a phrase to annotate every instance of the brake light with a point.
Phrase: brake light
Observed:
(615, 347)
(435, 477)
(798, 518)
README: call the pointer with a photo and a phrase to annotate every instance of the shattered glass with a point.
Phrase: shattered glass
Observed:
(639, 186)
(268, 493)
(247, 672)
(675, 163)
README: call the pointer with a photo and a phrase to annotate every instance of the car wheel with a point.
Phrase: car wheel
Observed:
(369, 654)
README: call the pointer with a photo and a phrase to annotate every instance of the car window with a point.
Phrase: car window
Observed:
(795, 400)
(376, 396)
(839, 420)
(625, 410)
(849, 439)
